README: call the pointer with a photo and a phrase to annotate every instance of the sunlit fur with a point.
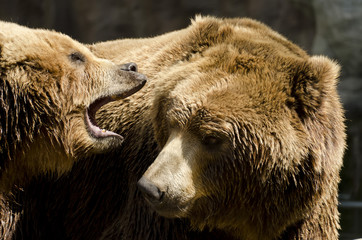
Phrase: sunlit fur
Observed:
(44, 93)
(271, 173)
(278, 120)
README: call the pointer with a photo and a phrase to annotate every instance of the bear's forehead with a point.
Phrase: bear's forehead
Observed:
(221, 88)
(230, 74)
(221, 98)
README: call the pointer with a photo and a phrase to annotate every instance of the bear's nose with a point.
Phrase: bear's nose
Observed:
(129, 67)
(149, 190)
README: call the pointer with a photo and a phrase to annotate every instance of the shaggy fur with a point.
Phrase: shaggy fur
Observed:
(257, 136)
(48, 83)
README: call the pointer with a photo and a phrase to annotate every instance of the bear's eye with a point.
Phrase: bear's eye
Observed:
(211, 141)
(77, 57)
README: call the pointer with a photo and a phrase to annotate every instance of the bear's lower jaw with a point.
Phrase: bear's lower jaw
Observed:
(173, 212)
(169, 209)
(103, 145)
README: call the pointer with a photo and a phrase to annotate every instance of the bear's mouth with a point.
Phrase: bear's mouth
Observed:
(90, 113)
(90, 116)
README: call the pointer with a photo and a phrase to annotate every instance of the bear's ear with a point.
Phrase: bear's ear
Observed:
(313, 82)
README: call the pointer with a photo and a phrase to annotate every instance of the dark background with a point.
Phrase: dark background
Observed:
(328, 27)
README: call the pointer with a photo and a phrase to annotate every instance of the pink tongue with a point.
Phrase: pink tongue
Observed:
(100, 133)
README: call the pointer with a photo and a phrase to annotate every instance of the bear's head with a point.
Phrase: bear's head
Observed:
(250, 129)
(51, 87)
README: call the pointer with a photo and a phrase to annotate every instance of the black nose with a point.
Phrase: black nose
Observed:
(129, 67)
(149, 190)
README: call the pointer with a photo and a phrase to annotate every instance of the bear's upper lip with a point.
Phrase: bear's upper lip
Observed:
(90, 113)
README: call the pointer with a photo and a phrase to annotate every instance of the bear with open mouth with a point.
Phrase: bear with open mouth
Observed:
(51, 87)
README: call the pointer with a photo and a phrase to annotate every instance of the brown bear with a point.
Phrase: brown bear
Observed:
(239, 134)
(51, 87)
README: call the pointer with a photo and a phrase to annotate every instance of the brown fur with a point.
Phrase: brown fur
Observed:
(278, 125)
(47, 82)
(250, 138)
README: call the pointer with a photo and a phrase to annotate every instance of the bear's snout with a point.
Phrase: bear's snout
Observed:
(126, 80)
(149, 190)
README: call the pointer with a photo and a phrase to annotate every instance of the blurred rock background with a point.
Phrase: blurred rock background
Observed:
(328, 27)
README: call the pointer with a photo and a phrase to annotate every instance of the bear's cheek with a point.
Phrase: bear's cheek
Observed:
(76, 85)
